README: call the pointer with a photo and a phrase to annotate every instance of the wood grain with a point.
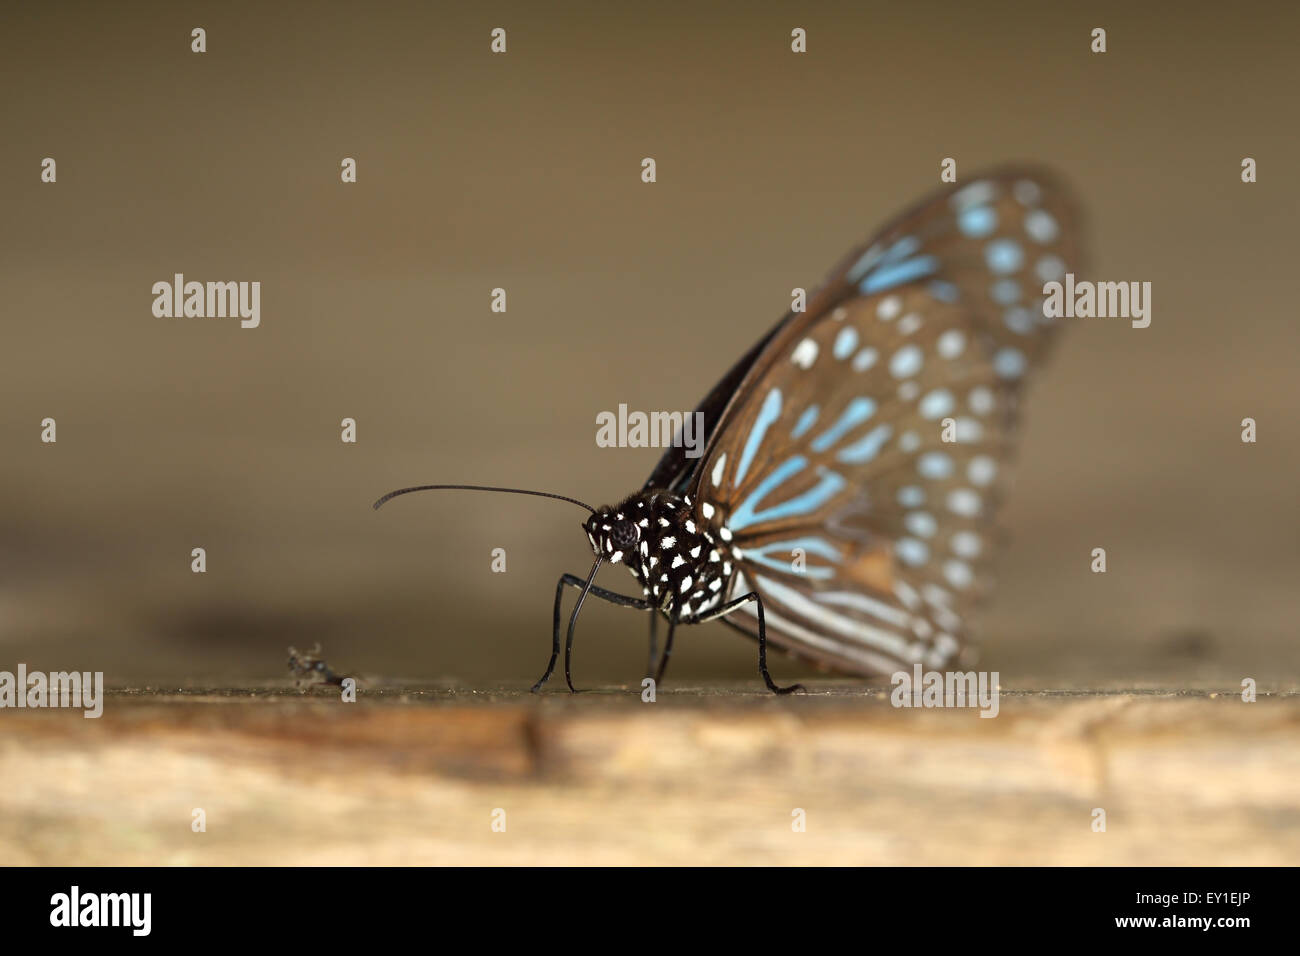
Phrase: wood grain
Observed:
(706, 775)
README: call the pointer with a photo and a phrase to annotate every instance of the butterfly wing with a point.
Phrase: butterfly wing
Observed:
(674, 469)
(857, 469)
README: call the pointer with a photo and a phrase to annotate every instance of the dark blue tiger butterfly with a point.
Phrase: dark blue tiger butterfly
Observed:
(843, 506)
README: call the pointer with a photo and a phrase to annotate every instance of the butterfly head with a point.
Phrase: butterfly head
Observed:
(613, 534)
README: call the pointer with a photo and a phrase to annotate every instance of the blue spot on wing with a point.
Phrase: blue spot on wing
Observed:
(865, 448)
(887, 276)
(1004, 255)
(813, 545)
(1005, 292)
(806, 421)
(1009, 363)
(857, 412)
(810, 545)
(943, 290)
(846, 342)
(806, 503)
(976, 222)
(768, 414)
(875, 256)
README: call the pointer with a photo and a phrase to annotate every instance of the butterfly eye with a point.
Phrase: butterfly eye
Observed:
(623, 535)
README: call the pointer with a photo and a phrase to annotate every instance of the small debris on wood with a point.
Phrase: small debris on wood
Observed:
(310, 668)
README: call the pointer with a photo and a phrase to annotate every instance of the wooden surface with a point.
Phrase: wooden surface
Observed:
(703, 775)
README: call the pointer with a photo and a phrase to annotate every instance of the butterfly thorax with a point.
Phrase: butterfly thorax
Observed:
(679, 564)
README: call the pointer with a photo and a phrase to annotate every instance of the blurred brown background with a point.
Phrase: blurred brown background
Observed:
(522, 171)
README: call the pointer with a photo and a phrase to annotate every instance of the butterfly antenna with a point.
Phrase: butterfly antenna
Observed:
(511, 491)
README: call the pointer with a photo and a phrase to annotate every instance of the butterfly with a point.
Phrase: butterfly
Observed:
(844, 506)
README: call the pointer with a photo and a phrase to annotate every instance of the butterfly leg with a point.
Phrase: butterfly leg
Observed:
(762, 638)
(574, 581)
(654, 644)
(668, 652)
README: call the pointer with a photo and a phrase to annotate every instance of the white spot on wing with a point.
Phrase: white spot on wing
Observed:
(964, 502)
(976, 194)
(981, 470)
(906, 362)
(804, 354)
(717, 470)
(951, 343)
(909, 324)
